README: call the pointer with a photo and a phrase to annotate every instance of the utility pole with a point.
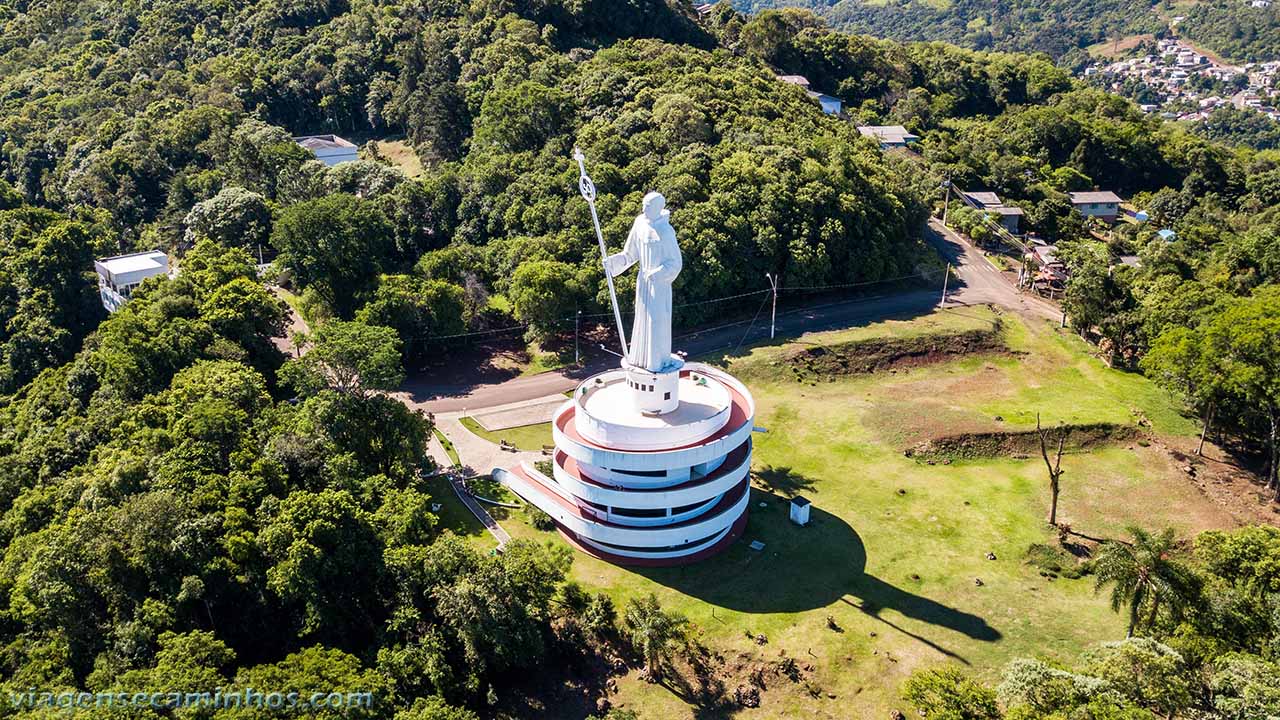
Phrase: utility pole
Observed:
(773, 316)
(577, 321)
(945, 277)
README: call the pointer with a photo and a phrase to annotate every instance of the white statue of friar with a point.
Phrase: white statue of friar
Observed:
(652, 243)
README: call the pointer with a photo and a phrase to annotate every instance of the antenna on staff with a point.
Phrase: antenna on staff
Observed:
(588, 190)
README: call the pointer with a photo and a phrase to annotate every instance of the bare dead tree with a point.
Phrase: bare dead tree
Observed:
(1054, 466)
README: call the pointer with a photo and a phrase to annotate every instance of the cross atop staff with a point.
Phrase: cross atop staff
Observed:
(588, 190)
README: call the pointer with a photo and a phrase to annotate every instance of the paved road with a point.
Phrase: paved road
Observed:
(980, 283)
(976, 282)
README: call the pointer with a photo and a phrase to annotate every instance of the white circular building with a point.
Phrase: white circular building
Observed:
(643, 487)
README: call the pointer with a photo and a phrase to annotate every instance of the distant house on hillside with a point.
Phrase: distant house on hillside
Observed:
(1010, 216)
(120, 274)
(328, 149)
(831, 105)
(799, 80)
(1167, 235)
(1051, 274)
(890, 136)
(1102, 205)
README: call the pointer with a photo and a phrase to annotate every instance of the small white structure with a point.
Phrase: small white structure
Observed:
(119, 275)
(1010, 216)
(328, 149)
(831, 105)
(889, 136)
(800, 510)
(799, 80)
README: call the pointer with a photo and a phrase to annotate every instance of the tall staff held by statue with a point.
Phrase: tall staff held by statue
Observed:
(588, 190)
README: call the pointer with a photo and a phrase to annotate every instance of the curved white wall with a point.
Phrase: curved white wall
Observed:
(708, 477)
(653, 499)
(628, 537)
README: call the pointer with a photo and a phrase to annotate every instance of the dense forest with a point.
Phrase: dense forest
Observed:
(1236, 30)
(1057, 27)
(185, 504)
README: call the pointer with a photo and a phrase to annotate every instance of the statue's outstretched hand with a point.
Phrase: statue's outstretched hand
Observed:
(616, 264)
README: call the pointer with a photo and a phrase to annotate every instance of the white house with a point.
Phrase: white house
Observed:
(890, 136)
(328, 149)
(1102, 205)
(1010, 216)
(830, 105)
(799, 80)
(119, 275)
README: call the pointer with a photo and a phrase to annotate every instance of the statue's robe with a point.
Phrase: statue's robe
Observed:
(653, 245)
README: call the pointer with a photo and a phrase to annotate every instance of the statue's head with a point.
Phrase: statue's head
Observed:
(654, 203)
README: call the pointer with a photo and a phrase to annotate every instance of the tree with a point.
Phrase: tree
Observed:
(350, 357)
(1144, 576)
(1147, 673)
(1242, 340)
(947, 693)
(327, 670)
(1177, 362)
(1054, 466)
(434, 708)
(521, 117)
(543, 293)
(653, 631)
(248, 314)
(235, 217)
(314, 545)
(337, 244)
(1245, 686)
(1249, 557)
(418, 310)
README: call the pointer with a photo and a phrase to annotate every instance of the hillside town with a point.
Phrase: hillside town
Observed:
(1179, 82)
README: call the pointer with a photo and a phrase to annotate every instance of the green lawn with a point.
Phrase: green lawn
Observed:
(292, 300)
(454, 516)
(524, 437)
(896, 546)
(485, 486)
(449, 449)
(401, 154)
(541, 361)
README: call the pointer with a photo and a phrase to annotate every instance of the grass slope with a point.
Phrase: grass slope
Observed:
(524, 437)
(895, 546)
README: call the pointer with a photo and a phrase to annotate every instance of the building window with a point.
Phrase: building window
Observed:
(666, 396)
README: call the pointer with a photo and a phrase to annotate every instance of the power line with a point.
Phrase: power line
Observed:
(848, 285)
(710, 301)
(753, 324)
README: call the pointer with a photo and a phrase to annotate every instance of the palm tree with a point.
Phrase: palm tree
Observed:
(1144, 576)
(652, 631)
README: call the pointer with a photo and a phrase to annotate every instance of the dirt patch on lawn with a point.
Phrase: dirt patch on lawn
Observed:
(860, 357)
(1223, 479)
(973, 446)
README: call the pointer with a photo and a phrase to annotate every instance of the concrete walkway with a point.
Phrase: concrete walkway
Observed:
(478, 457)
(528, 412)
(296, 325)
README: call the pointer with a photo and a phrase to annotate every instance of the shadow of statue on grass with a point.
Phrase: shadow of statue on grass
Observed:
(807, 568)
